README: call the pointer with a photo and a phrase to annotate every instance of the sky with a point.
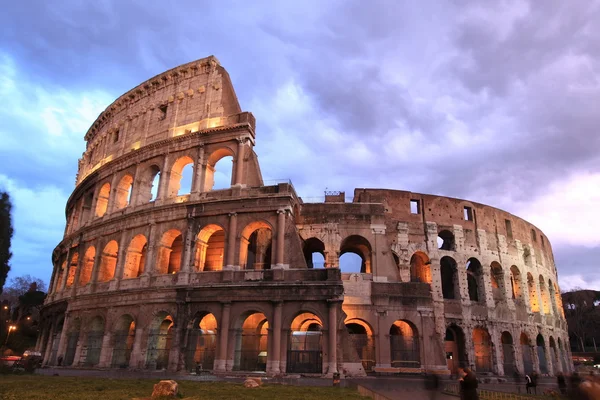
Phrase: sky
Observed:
(496, 102)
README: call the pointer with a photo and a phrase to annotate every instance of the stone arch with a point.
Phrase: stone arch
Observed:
(314, 253)
(475, 280)
(87, 266)
(482, 345)
(554, 355)
(361, 247)
(563, 356)
(160, 338)
(454, 345)
(449, 277)
(420, 270)
(526, 353)
(213, 159)
(541, 352)
(123, 336)
(72, 271)
(256, 246)
(251, 342)
(175, 177)
(108, 261)
(516, 283)
(361, 338)
(72, 340)
(148, 184)
(210, 248)
(545, 296)
(558, 300)
(533, 297)
(497, 279)
(201, 346)
(123, 192)
(94, 337)
(102, 201)
(169, 252)
(305, 344)
(404, 345)
(446, 241)
(508, 354)
(136, 257)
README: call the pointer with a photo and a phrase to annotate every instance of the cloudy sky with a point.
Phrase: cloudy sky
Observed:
(497, 102)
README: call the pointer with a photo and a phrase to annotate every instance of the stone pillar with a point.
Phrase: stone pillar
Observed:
(62, 343)
(231, 241)
(136, 360)
(279, 260)
(80, 259)
(96, 267)
(274, 363)
(48, 348)
(121, 255)
(497, 351)
(106, 351)
(332, 323)
(188, 244)
(175, 350)
(135, 190)
(221, 361)
(239, 162)
(198, 179)
(112, 195)
(149, 269)
(163, 184)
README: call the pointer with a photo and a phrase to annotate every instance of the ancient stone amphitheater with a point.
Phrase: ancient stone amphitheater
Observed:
(157, 273)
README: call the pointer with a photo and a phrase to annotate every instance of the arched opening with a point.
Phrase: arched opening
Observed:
(482, 344)
(124, 189)
(445, 241)
(136, 257)
(72, 270)
(56, 340)
(419, 268)
(563, 356)
(526, 354)
(545, 296)
(102, 202)
(533, 297)
(251, 344)
(72, 339)
(515, 283)
(305, 349)
(169, 252)
(87, 266)
(541, 352)
(88, 200)
(108, 262)
(454, 345)
(558, 300)
(94, 341)
(148, 183)
(123, 337)
(60, 276)
(552, 296)
(475, 280)
(497, 278)
(210, 249)
(314, 253)
(177, 185)
(404, 345)
(358, 246)
(201, 343)
(361, 336)
(256, 246)
(508, 354)
(219, 178)
(554, 355)
(160, 337)
(449, 275)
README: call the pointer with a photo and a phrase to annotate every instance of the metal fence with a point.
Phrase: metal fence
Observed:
(365, 347)
(159, 345)
(250, 355)
(405, 351)
(200, 350)
(94, 347)
(123, 343)
(305, 353)
(72, 339)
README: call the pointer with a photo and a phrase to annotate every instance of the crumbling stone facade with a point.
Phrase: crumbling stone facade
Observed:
(153, 275)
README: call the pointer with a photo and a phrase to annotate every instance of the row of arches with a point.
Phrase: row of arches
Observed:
(208, 253)
(159, 179)
(524, 356)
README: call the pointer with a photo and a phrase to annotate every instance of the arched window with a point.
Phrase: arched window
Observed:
(314, 253)
(545, 296)
(102, 202)
(526, 354)
(210, 248)
(124, 190)
(169, 253)
(108, 262)
(222, 177)
(515, 282)
(202, 343)
(533, 297)
(177, 185)
(148, 183)
(541, 351)
(160, 338)
(445, 241)
(136, 257)
(359, 247)
(475, 280)
(361, 336)
(87, 266)
(94, 341)
(256, 246)
(122, 338)
(508, 354)
(497, 279)
(305, 349)
(482, 344)
(449, 275)
(404, 345)
(251, 343)
(419, 268)
(72, 270)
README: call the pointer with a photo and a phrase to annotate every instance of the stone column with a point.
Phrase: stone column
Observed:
(221, 361)
(274, 365)
(231, 241)
(188, 244)
(112, 195)
(175, 350)
(149, 267)
(163, 184)
(80, 259)
(279, 260)
(198, 179)
(106, 350)
(332, 338)
(239, 162)
(62, 343)
(135, 190)
(121, 255)
(48, 348)
(136, 352)
(96, 267)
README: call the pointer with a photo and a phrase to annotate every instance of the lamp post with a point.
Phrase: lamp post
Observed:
(10, 329)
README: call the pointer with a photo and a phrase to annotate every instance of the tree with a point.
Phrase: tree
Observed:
(6, 232)
(582, 313)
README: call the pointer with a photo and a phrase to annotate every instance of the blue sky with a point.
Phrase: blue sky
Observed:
(495, 102)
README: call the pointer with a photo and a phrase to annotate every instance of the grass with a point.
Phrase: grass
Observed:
(35, 387)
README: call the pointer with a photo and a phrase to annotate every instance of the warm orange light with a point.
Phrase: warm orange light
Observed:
(6, 307)
(12, 328)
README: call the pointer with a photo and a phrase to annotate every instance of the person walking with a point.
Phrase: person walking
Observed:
(468, 385)
(562, 384)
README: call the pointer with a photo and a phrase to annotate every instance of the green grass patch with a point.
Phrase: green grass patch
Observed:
(35, 387)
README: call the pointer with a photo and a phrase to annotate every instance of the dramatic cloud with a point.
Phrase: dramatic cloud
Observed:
(493, 102)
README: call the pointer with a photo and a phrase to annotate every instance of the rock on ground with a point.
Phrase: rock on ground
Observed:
(252, 382)
(165, 388)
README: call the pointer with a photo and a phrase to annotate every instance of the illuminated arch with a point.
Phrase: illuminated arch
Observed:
(108, 261)
(420, 268)
(210, 248)
(256, 246)
(169, 253)
(88, 265)
(136, 257)
(102, 202)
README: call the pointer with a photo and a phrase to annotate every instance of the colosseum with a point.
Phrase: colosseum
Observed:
(156, 273)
